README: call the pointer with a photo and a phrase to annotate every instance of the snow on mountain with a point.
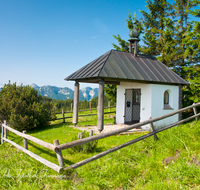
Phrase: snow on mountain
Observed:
(89, 92)
(59, 93)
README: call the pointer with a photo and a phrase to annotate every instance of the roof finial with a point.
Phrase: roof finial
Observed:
(134, 18)
(134, 36)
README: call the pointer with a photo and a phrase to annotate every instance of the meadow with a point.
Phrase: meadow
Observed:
(142, 165)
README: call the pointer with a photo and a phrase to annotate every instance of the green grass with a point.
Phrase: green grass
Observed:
(138, 166)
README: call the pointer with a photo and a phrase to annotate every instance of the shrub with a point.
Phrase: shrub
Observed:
(85, 148)
(23, 108)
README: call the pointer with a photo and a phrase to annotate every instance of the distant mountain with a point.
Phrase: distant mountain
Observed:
(59, 93)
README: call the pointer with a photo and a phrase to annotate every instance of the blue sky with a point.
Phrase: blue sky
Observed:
(44, 41)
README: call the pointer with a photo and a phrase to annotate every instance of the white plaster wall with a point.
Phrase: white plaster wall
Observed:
(158, 103)
(152, 102)
(145, 107)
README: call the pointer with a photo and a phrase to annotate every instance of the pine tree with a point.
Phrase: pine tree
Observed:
(192, 55)
(183, 39)
(192, 40)
(158, 30)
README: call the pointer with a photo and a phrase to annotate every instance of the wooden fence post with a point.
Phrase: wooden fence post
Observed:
(109, 105)
(25, 140)
(5, 130)
(153, 130)
(2, 133)
(80, 135)
(63, 114)
(90, 106)
(71, 107)
(59, 154)
(195, 111)
(91, 133)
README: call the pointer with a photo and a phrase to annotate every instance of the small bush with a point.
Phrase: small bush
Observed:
(85, 148)
(23, 108)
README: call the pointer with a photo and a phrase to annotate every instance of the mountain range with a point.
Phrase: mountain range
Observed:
(59, 93)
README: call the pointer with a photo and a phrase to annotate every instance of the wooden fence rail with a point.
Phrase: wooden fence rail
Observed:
(63, 113)
(126, 144)
(38, 158)
(63, 118)
(28, 137)
(86, 110)
(58, 148)
(117, 131)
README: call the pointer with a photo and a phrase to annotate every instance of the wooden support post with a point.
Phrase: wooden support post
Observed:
(195, 112)
(5, 130)
(63, 114)
(2, 133)
(100, 122)
(76, 99)
(180, 97)
(59, 154)
(109, 105)
(91, 133)
(25, 140)
(90, 106)
(71, 107)
(153, 130)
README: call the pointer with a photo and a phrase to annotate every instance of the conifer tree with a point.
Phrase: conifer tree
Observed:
(158, 30)
(192, 40)
(184, 29)
(192, 55)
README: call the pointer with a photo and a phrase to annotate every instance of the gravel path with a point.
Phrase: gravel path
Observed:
(107, 128)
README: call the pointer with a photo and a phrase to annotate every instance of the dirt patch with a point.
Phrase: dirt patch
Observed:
(168, 160)
(194, 161)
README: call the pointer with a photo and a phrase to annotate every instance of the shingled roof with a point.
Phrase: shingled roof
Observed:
(117, 66)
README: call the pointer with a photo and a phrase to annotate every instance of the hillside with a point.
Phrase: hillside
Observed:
(171, 163)
(59, 93)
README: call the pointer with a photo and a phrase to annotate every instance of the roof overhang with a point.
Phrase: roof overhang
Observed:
(114, 67)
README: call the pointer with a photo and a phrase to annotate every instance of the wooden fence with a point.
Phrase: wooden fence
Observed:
(63, 113)
(58, 148)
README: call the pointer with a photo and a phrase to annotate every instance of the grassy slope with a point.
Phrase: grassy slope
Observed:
(138, 166)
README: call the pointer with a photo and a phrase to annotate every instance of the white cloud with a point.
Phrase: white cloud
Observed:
(100, 26)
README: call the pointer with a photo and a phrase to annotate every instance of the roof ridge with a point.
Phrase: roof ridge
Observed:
(105, 62)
